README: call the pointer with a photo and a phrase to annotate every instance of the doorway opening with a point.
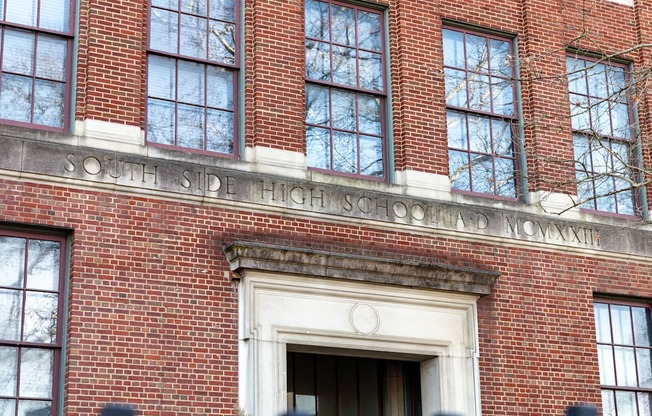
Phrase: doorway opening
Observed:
(334, 385)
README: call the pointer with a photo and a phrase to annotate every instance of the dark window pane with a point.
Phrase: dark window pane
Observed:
(343, 24)
(164, 27)
(160, 121)
(191, 126)
(49, 103)
(12, 261)
(55, 15)
(16, 98)
(316, 22)
(221, 46)
(51, 58)
(219, 128)
(36, 369)
(318, 64)
(220, 88)
(369, 31)
(318, 147)
(345, 152)
(18, 52)
(193, 34)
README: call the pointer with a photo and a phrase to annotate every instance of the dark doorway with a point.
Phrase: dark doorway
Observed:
(332, 385)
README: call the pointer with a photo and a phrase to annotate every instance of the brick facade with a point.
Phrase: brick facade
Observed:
(152, 310)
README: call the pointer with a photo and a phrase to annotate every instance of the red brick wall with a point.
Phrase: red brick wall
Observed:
(152, 312)
(153, 315)
(112, 51)
(111, 61)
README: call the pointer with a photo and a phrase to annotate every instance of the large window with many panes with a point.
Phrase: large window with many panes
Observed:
(345, 89)
(602, 135)
(36, 47)
(481, 112)
(624, 336)
(192, 66)
(31, 321)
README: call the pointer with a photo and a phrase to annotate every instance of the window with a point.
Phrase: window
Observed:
(624, 335)
(602, 135)
(480, 112)
(31, 288)
(36, 40)
(345, 89)
(192, 75)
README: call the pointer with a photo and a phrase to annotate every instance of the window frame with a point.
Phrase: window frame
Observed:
(592, 136)
(331, 86)
(514, 120)
(69, 35)
(58, 346)
(614, 389)
(234, 69)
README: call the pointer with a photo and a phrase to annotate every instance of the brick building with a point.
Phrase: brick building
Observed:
(395, 207)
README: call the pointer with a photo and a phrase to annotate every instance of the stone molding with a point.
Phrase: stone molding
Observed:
(427, 275)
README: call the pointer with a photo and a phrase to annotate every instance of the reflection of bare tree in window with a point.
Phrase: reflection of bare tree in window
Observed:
(190, 102)
(480, 96)
(29, 285)
(344, 126)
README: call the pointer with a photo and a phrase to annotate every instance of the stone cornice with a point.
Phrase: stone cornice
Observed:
(245, 256)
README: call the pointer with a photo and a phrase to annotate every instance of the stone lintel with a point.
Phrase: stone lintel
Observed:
(257, 256)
